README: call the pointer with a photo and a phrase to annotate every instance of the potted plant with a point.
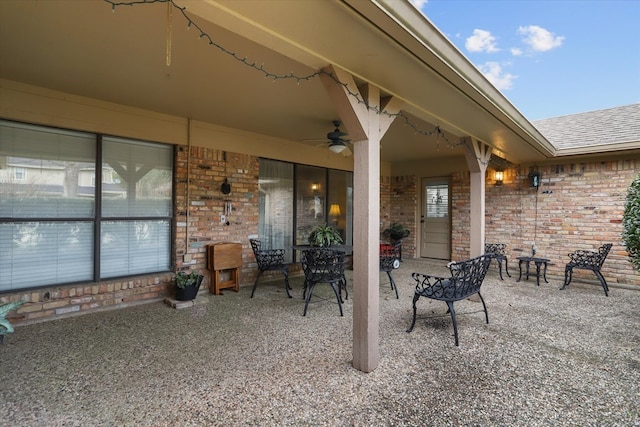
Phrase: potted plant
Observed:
(187, 285)
(324, 235)
(396, 231)
(5, 325)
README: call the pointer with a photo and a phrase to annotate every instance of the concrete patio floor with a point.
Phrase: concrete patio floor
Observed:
(547, 358)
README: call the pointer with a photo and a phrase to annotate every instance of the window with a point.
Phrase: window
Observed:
(19, 174)
(275, 185)
(296, 198)
(50, 219)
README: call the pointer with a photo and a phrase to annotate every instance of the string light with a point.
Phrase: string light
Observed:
(290, 76)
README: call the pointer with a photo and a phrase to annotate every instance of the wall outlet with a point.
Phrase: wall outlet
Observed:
(223, 219)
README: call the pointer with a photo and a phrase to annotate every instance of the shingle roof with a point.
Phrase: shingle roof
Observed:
(594, 128)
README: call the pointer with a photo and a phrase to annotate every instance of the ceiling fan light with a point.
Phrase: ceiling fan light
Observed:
(337, 147)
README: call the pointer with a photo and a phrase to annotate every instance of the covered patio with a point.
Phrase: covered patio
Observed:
(547, 357)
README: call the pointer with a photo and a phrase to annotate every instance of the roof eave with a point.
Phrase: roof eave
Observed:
(460, 71)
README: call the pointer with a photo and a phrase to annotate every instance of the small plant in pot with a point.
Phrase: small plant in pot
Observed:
(324, 235)
(187, 285)
(396, 231)
(5, 325)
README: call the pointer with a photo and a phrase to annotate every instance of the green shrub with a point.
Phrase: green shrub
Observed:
(631, 223)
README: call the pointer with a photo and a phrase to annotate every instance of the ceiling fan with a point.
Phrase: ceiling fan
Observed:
(337, 144)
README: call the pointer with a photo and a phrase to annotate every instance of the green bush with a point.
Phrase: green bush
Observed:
(631, 223)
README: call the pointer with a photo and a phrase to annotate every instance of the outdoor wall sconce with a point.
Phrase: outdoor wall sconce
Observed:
(499, 177)
(334, 213)
(534, 179)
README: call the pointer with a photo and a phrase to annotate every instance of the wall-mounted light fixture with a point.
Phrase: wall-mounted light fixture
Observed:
(499, 177)
(334, 213)
(534, 179)
(315, 186)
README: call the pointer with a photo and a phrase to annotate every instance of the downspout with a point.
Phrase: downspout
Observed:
(187, 256)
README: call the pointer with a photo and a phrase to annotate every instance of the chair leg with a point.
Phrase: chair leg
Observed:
(603, 282)
(343, 284)
(393, 284)
(506, 267)
(486, 314)
(453, 318)
(568, 273)
(286, 282)
(416, 297)
(306, 301)
(256, 283)
(335, 286)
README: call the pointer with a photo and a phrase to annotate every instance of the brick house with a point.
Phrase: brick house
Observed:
(168, 117)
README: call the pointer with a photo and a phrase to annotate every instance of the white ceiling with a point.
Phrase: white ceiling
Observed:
(85, 48)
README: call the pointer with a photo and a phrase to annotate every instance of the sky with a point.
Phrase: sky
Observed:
(549, 58)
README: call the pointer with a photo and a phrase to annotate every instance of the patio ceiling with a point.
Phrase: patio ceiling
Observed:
(82, 48)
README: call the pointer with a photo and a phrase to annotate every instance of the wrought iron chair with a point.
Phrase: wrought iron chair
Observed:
(270, 260)
(323, 265)
(497, 251)
(390, 260)
(588, 260)
(466, 279)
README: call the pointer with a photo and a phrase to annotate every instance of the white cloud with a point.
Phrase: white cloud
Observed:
(540, 39)
(419, 3)
(494, 73)
(516, 51)
(481, 41)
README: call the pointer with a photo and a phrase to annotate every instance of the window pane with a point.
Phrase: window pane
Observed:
(45, 173)
(341, 203)
(134, 247)
(45, 253)
(275, 224)
(311, 207)
(137, 179)
(437, 199)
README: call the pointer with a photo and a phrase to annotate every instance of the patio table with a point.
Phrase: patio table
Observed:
(539, 262)
(342, 248)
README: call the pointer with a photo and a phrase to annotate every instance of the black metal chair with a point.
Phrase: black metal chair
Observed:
(323, 265)
(390, 260)
(588, 260)
(466, 279)
(270, 260)
(497, 251)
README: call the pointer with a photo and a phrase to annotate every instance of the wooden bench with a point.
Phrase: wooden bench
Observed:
(466, 279)
(588, 260)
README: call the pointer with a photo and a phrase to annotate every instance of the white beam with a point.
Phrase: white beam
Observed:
(477, 155)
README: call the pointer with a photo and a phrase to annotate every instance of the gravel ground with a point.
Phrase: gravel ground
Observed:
(547, 358)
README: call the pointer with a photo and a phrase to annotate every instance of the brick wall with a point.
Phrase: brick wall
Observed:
(208, 170)
(578, 206)
(399, 203)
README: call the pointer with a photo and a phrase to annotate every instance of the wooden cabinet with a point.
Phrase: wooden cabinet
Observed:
(224, 257)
